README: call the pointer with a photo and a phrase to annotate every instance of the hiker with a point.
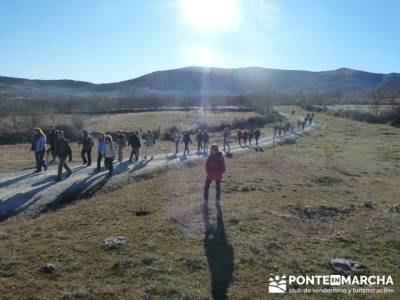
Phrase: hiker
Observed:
(288, 127)
(215, 168)
(251, 136)
(100, 150)
(39, 147)
(121, 144)
(199, 139)
(87, 144)
(280, 130)
(109, 154)
(52, 137)
(134, 142)
(276, 130)
(305, 121)
(239, 136)
(245, 136)
(298, 124)
(303, 124)
(257, 134)
(206, 140)
(311, 118)
(177, 137)
(186, 140)
(62, 151)
(227, 134)
(149, 141)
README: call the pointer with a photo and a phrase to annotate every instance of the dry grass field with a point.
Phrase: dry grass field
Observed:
(265, 226)
(133, 121)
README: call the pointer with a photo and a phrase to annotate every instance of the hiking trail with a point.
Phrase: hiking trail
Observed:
(29, 194)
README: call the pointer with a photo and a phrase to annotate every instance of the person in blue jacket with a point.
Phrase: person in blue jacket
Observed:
(39, 146)
(101, 150)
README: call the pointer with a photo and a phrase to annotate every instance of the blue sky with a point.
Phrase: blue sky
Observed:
(113, 40)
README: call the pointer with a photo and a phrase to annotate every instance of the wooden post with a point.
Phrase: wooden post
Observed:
(273, 145)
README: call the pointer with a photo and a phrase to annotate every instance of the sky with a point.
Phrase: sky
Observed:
(115, 40)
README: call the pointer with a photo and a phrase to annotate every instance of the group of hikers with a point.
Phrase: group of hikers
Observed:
(108, 147)
(288, 127)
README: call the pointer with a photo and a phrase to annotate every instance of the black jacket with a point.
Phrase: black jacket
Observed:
(87, 143)
(62, 149)
(51, 138)
(134, 141)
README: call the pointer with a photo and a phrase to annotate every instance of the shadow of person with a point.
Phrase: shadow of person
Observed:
(17, 179)
(142, 164)
(219, 253)
(21, 201)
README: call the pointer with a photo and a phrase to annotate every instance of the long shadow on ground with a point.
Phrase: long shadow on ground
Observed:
(219, 254)
(17, 179)
(78, 190)
(20, 201)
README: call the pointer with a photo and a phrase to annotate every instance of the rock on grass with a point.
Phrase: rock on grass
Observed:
(114, 242)
(347, 266)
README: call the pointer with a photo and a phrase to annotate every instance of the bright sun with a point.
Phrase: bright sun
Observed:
(211, 15)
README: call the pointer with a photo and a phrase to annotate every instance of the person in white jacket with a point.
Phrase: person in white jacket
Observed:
(109, 154)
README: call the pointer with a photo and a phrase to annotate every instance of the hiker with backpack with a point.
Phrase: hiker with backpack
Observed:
(87, 145)
(149, 141)
(239, 136)
(134, 142)
(206, 140)
(177, 137)
(227, 134)
(52, 137)
(109, 154)
(245, 136)
(39, 147)
(251, 136)
(215, 168)
(298, 125)
(199, 139)
(63, 151)
(121, 144)
(311, 118)
(276, 128)
(100, 150)
(186, 140)
(257, 134)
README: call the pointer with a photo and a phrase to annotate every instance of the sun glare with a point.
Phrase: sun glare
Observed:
(211, 15)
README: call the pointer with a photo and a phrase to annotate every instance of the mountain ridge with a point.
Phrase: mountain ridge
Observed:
(195, 80)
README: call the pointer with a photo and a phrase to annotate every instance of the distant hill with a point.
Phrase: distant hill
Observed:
(195, 80)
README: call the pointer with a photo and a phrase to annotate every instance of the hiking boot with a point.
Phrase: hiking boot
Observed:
(69, 174)
(58, 179)
(38, 171)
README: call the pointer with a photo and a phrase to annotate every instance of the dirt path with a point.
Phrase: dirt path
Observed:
(30, 194)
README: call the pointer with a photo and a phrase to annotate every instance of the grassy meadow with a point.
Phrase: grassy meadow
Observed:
(265, 229)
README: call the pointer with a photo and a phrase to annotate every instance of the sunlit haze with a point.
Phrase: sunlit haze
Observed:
(107, 41)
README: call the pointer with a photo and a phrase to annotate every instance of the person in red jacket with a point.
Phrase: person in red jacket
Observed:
(245, 136)
(215, 168)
